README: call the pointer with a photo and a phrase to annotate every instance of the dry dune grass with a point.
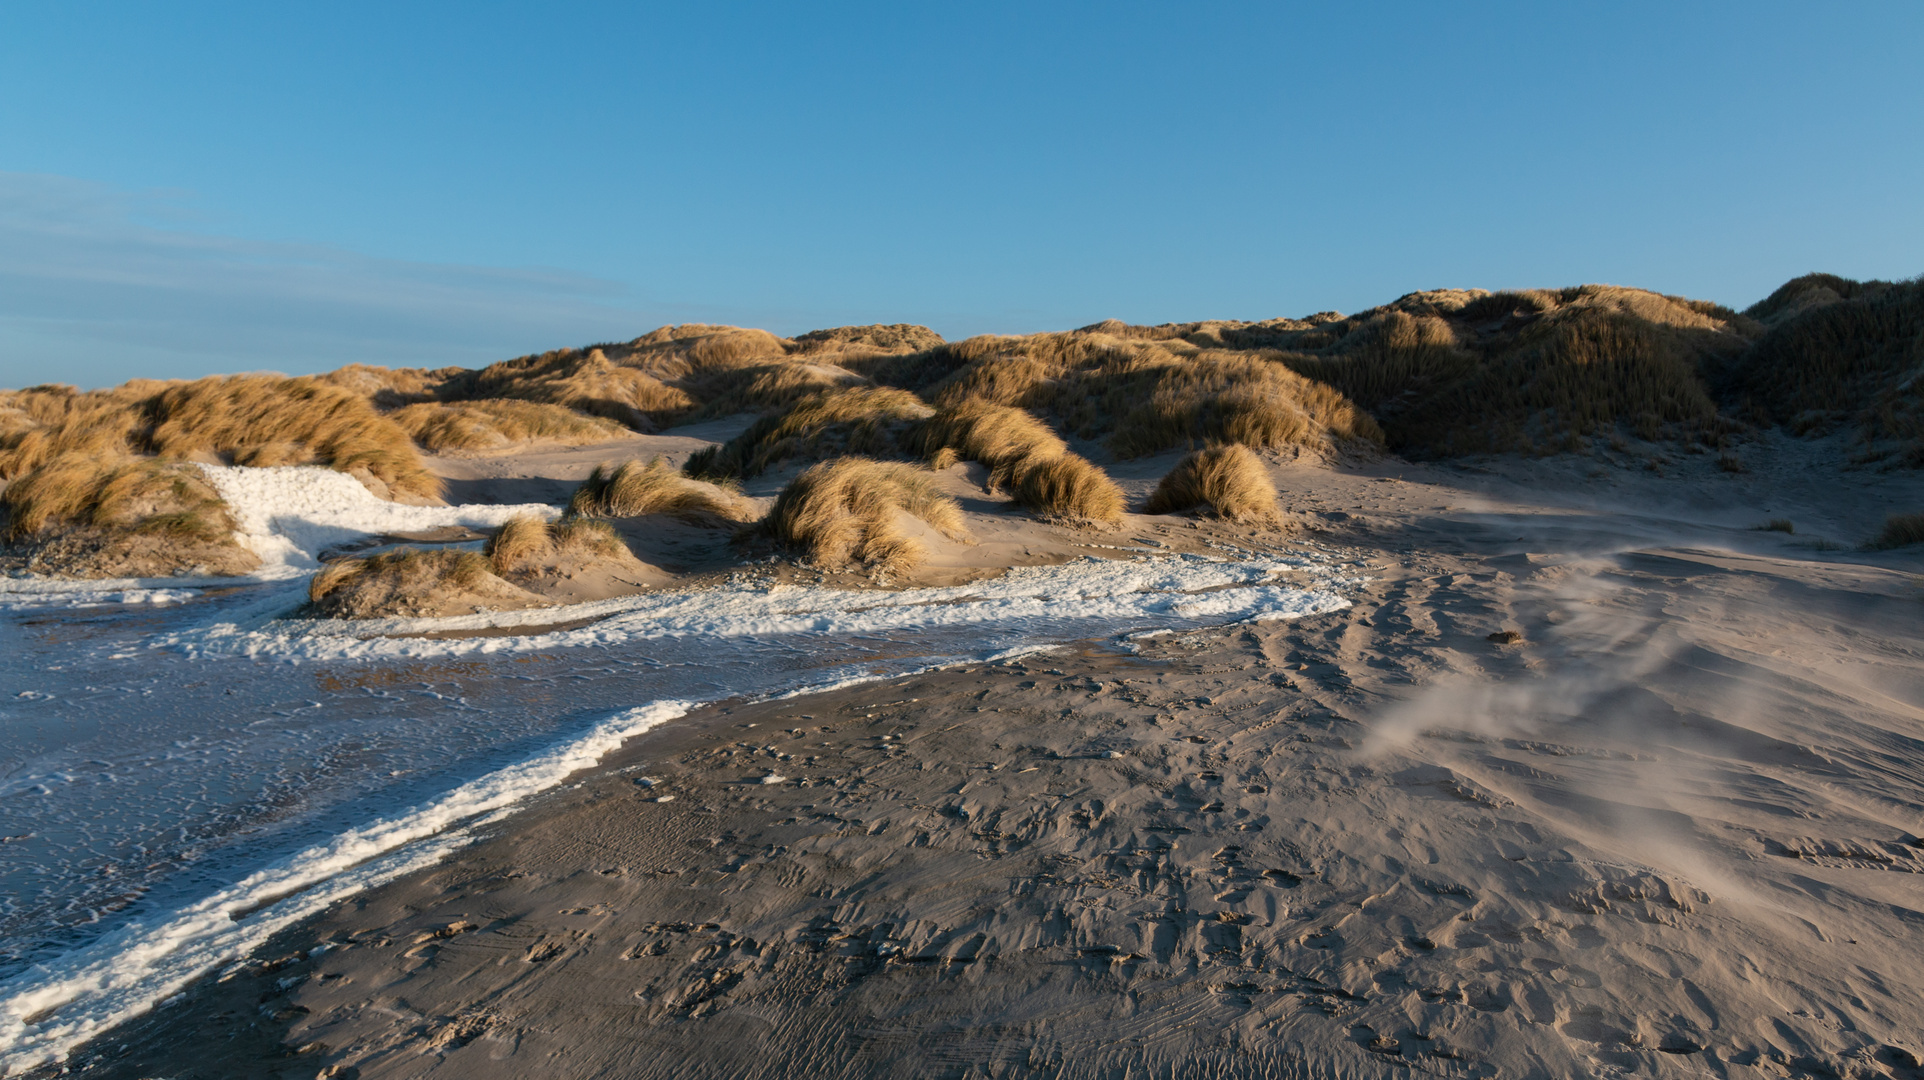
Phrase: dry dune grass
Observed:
(523, 557)
(663, 377)
(586, 380)
(1900, 530)
(44, 422)
(1839, 354)
(266, 420)
(107, 465)
(493, 423)
(843, 512)
(998, 436)
(141, 495)
(408, 581)
(389, 388)
(525, 543)
(857, 420)
(875, 339)
(1068, 489)
(1142, 394)
(635, 489)
(1464, 371)
(1229, 480)
(1023, 456)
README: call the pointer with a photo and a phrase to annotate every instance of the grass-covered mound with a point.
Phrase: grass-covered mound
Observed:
(413, 583)
(1025, 458)
(1839, 355)
(1138, 394)
(526, 563)
(1228, 481)
(1534, 371)
(847, 512)
(634, 490)
(242, 419)
(91, 515)
(1900, 530)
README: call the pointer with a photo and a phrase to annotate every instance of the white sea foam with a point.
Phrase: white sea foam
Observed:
(124, 973)
(1112, 591)
(288, 515)
(36, 592)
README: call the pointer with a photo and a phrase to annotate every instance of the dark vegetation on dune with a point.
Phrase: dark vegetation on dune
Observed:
(1432, 374)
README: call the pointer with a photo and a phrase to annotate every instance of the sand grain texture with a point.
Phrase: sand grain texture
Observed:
(1675, 831)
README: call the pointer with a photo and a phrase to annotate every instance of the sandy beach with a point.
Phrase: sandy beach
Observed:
(1667, 826)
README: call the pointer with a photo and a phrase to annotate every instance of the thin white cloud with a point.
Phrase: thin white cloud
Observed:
(92, 293)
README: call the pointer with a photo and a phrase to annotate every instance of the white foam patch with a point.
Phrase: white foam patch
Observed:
(289, 514)
(125, 972)
(37, 592)
(1025, 599)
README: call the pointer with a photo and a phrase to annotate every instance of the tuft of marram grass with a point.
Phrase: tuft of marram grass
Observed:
(408, 581)
(1068, 489)
(498, 422)
(1144, 394)
(635, 489)
(116, 492)
(521, 539)
(1228, 480)
(1900, 530)
(999, 436)
(525, 544)
(265, 420)
(582, 539)
(842, 512)
(44, 422)
(1025, 457)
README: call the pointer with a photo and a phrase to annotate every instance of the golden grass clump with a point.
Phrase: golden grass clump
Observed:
(96, 515)
(44, 422)
(496, 422)
(586, 380)
(400, 581)
(858, 420)
(1900, 530)
(875, 339)
(526, 543)
(264, 420)
(1024, 456)
(1144, 392)
(635, 489)
(1222, 397)
(246, 419)
(141, 495)
(843, 512)
(1067, 488)
(520, 539)
(998, 436)
(1229, 480)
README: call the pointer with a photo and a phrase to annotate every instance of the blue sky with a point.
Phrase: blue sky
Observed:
(197, 187)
